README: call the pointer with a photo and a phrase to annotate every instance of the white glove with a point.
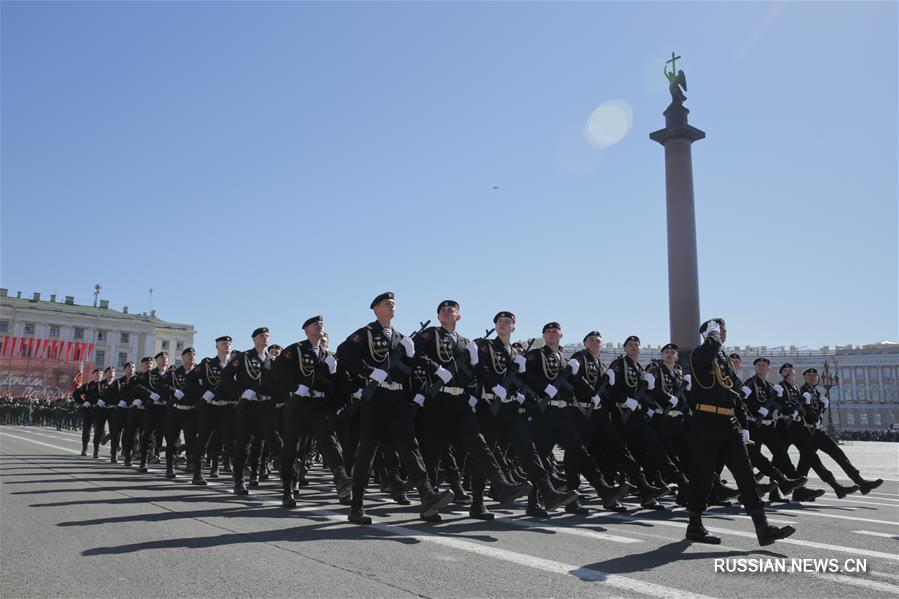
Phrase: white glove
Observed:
(763, 411)
(746, 391)
(650, 381)
(408, 346)
(808, 397)
(713, 327)
(631, 404)
(101, 403)
(596, 400)
(672, 400)
(332, 364)
(522, 365)
(779, 390)
(519, 397)
(473, 352)
(499, 391)
(302, 391)
(472, 400)
(650, 412)
(122, 404)
(443, 374)
(208, 395)
(745, 434)
(575, 365)
(154, 396)
(551, 390)
(137, 403)
(86, 404)
(378, 375)
(825, 401)
(689, 379)
(611, 374)
(248, 394)
(179, 394)
(419, 399)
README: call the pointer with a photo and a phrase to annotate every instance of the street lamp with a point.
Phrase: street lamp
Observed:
(828, 381)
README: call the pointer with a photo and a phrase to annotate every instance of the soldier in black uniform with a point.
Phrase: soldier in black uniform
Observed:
(307, 372)
(443, 382)
(760, 400)
(104, 409)
(793, 431)
(815, 404)
(718, 429)
(376, 355)
(216, 414)
(249, 374)
(119, 395)
(547, 373)
(181, 416)
(85, 396)
(136, 410)
(630, 392)
(156, 390)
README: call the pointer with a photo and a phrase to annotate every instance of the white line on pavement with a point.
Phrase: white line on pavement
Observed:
(837, 516)
(886, 535)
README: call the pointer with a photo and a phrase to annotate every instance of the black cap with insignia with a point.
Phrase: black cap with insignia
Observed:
(592, 334)
(96, 370)
(188, 350)
(274, 346)
(146, 359)
(446, 303)
(127, 364)
(162, 353)
(736, 356)
(784, 367)
(313, 319)
(503, 314)
(810, 371)
(632, 338)
(384, 296)
(223, 338)
(670, 346)
(552, 325)
(107, 369)
(259, 331)
(761, 359)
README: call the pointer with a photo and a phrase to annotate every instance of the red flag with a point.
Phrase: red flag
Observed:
(53, 349)
(90, 350)
(68, 349)
(19, 346)
(28, 345)
(44, 350)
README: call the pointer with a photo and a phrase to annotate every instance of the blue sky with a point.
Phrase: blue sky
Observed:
(256, 164)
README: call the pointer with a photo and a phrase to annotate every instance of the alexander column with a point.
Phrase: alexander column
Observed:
(683, 279)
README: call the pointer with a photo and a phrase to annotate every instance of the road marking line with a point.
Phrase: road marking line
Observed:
(872, 585)
(572, 530)
(886, 535)
(837, 516)
(75, 451)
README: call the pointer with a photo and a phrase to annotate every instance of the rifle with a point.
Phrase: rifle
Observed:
(512, 382)
(394, 362)
(463, 367)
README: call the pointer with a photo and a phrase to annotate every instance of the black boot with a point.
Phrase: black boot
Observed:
(478, 510)
(398, 492)
(766, 533)
(127, 462)
(96, 451)
(170, 472)
(787, 485)
(535, 507)
(199, 480)
(84, 449)
(432, 501)
(576, 508)
(839, 489)
(806, 494)
(697, 533)
(254, 479)
(506, 493)
(610, 495)
(142, 467)
(239, 487)
(459, 495)
(287, 500)
(343, 482)
(867, 486)
(112, 459)
(554, 498)
(357, 514)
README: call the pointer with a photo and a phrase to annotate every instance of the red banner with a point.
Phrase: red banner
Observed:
(44, 349)
(68, 349)
(90, 351)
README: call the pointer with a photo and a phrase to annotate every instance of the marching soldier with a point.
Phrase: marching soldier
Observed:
(85, 397)
(815, 404)
(136, 409)
(181, 415)
(156, 388)
(379, 356)
(215, 409)
(718, 430)
(119, 395)
(104, 409)
(306, 370)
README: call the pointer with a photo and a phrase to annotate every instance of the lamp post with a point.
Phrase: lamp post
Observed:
(828, 381)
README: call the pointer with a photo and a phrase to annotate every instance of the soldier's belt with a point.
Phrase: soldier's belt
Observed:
(179, 406)
(675, 413)
(159, 402)
(703, 407)
(452, 390)
(279, 405)
(312, 394)
(220, 402)
(557, 403)
(391, 386)
(262, 398)
(494, 396)
(584, 405)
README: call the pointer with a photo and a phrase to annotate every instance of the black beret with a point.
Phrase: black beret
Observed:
(127, 364)
(787, 365)
(705, 325)
(313, 319)
(96, 370)
(162, 353)
(757, 360)
(107, 369)
(223, 338)
(274, 346)
(670, 346)
(188, 350)
(384, 296)
(445, 303)
(552, 325)
(259, 331)
(810, 371)
(146, 359)
(736, 355)
(632, 338)
(503, 314)
(592, 334)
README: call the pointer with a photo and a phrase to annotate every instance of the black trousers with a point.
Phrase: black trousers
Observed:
(176, 422)
(347, 426)
(768, 435)
(607, 443)
(386, 416)
(87, 424)
(153, 426)
(674, 434)
(646, 448)
(557, 426)
(305, 417)
(134, 418)
(218, 420)
(255, 419)
(101, 417)
(822, 441)
(793, 432)
(509, 429)
(717, 437)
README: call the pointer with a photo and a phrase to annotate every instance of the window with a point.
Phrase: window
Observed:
(101, 358)
(850, 419)
(29, 328)
(165, 344)
(123, 357)
(877, 420)
(79, 333)
(178, 362)
(4, 326)
(54, 330)
(863, 419)
(124, 338)
(179, 346)
(102, 335)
